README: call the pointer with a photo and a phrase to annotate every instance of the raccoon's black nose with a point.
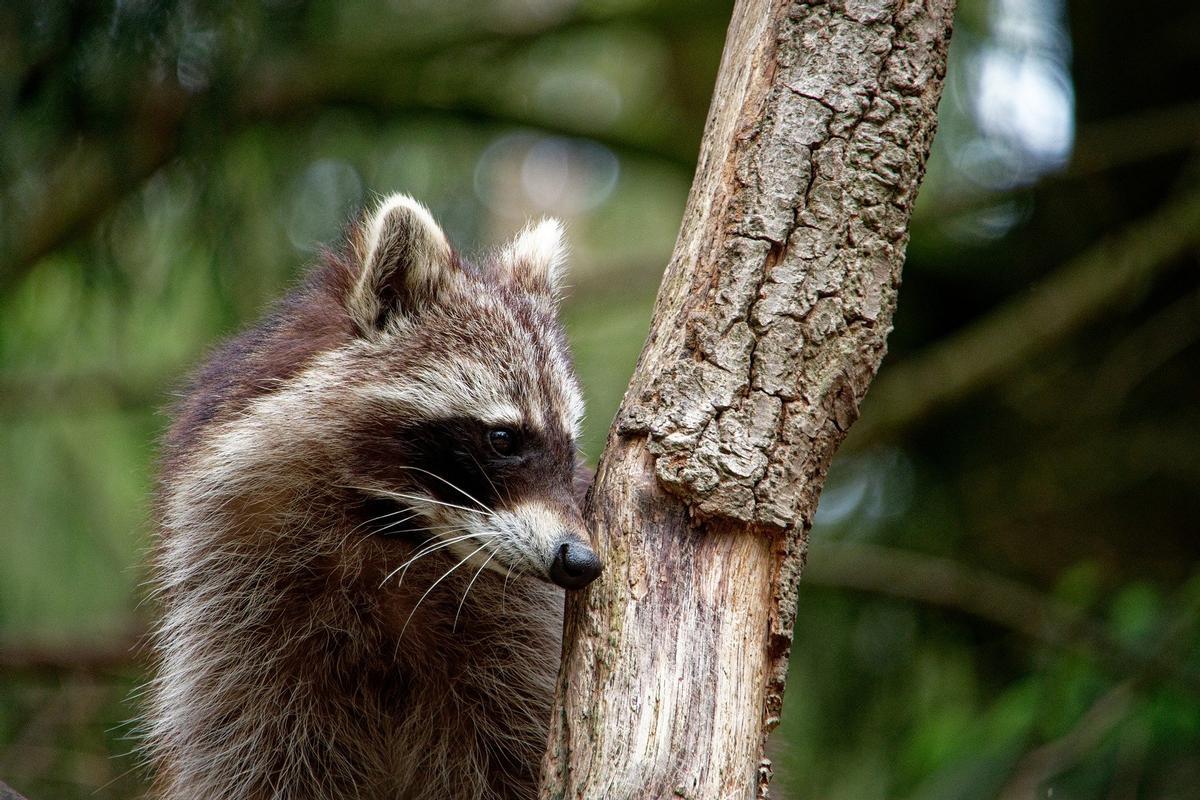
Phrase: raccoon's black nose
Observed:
(575, 565)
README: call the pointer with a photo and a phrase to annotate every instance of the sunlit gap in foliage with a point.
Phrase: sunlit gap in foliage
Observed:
(525, 173)
(1024, 102)
(1008, 118)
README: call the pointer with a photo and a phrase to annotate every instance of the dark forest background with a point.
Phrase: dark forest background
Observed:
(1002, 598)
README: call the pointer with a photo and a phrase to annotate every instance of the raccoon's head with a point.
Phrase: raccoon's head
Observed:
(463, 409)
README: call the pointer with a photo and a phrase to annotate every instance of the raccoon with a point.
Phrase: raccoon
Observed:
(367, 514)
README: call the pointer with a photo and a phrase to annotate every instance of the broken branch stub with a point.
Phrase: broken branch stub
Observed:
(774, 310)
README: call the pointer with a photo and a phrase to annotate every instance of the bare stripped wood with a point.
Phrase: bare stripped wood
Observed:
(770, 323)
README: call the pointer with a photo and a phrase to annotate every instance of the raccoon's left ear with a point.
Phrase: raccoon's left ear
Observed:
(404, 261)
(536, 259)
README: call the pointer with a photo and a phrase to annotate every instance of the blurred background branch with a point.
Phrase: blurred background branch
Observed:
(1112, 272)
(111, 658)
(942, 582)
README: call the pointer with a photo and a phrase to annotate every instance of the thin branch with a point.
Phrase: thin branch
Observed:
(993, 347)
(1104, 715)
(88, 179)
(1100, 146)
(1106, 144)
(1138, 355)
(106, 658)
(1103, 389)
(1039, 765)
(66, 393)
(935, 581)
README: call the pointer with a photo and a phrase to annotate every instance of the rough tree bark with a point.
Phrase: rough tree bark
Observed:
(769, 325)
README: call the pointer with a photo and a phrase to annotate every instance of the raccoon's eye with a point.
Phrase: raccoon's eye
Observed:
(504, 441)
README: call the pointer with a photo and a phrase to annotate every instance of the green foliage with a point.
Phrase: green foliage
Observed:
(166, 169)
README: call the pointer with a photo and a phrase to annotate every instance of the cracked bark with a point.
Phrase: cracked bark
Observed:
(769, 325)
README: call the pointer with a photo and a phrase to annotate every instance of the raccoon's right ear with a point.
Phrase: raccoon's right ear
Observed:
(404, 261)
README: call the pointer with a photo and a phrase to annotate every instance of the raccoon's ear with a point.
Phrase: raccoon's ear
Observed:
(404, 261)
(536, 259)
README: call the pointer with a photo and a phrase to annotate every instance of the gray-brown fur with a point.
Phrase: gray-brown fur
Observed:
(311, 458)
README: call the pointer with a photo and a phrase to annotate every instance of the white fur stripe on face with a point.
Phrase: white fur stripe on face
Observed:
(532, 532)
(568, 400)
(435, 401)
(459, 387)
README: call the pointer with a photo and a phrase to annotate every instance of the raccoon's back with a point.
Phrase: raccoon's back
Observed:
(303, 324)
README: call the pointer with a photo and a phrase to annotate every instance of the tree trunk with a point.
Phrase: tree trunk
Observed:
(770, 323)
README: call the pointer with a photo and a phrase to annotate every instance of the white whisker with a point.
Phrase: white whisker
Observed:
(434, 586)
(437, 544)
(468, 591)
(464, 492)
(396, 522)
(412, 514)
(507, 497)
(416, 498)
